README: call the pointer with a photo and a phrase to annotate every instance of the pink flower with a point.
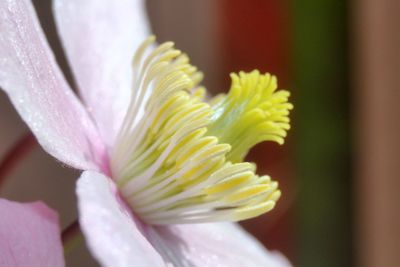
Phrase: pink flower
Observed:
(29, 235)
(109, 134)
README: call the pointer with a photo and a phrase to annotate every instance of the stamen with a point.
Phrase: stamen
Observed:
(177, 159)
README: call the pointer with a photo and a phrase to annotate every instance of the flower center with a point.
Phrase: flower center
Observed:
(178, 158)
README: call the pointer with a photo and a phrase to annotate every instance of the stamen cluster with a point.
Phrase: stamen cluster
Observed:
(178, 158)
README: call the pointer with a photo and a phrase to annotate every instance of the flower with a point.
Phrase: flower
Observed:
(156, 156)
(29, 235)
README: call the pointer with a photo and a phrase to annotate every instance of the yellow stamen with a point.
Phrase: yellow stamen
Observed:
(180, 161)
(252, 112)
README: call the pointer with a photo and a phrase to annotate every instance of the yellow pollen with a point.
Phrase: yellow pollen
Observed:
(178, 158)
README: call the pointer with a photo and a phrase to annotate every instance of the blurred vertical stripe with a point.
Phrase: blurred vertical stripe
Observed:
(322, 131)
(377, 95)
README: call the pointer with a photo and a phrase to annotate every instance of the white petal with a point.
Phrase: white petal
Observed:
(114, 237)
(34, 83)
(213, 245)
(100, 38)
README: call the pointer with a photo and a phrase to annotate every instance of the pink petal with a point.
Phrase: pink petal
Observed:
(214, 244)
(112, 234)
(100, 38)
(29, 235)
(34, 83)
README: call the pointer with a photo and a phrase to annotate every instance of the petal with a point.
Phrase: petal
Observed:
(213, 244)
(35, 85)
(113, 236)
(100, 38)
(29, 235)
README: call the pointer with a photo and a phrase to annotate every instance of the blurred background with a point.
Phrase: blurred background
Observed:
(339, 169)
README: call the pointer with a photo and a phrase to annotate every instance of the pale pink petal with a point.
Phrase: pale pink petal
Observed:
(113, 236)
(31, 78)
(213, 245)
(116, 238)
(100, 38)
(29, 235)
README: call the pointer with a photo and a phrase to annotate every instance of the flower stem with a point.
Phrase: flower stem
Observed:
(71, 236)
(16, 153)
